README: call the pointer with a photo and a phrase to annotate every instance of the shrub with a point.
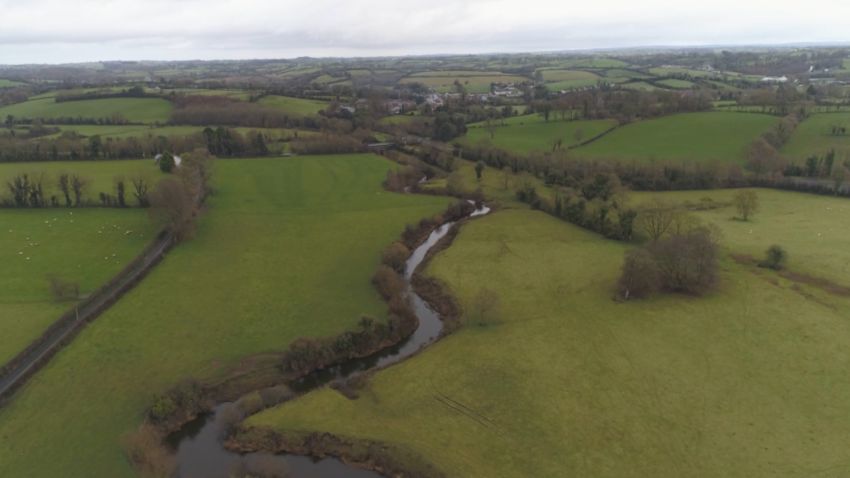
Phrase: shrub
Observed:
(395, 256)
(388, 282)
(63, 290)
(775, 258)
(640, 276)
(747, 204)
(685, 262)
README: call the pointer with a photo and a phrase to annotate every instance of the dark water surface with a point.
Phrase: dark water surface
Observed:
(199, 449)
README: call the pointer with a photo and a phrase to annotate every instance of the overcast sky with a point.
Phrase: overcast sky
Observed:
(58, 31)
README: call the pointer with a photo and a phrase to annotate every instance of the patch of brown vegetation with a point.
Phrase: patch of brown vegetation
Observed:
(371, 455)
(825, 285)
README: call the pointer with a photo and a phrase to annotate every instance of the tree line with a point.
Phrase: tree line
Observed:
(220, 141)
(36, 190)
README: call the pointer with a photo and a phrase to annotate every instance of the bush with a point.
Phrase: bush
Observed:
(388, 282)
(685, 263)
(395, 256)
(775, 258)
(640, 276)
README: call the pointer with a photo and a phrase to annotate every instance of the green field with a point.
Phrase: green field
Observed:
(286, 250)
(676, 84)
(84, 246)
(564, 381)
(294, 106)
(568, 75)
(813, 229)
(136, 110)
(474, 82)
(100, 175)
(4, 83)
(597, 62)
(557, 80)
(715, 136)
(640, 85)
(814, 136)
(538, 135)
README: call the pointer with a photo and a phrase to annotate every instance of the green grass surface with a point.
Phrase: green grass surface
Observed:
(538, 135)
(137, 110)
(84, 246)
(814, 136)
(568, 75)
(4, 83)
(100, 175)
(675, 84)
(294, 106)
(142, 131)
(812, 229)
(718, 136)
(286, 250)
(557, 80)
(639, 85)
(595, 63)
(474, 83)
(748, 381)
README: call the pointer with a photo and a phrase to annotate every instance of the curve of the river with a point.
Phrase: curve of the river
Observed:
(198, 445)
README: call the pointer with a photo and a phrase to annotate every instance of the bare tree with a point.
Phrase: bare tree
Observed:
(747, 203)
(64, 184)
(79, 186)
(140, 190)
(62, 290)
(173, 207)
(640, 275)
(656, 220)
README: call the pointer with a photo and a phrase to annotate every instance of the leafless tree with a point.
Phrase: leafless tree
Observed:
(656, 219)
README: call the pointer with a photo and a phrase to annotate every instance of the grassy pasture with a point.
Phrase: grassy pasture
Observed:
(567, 75)
(4, 83)
(538, 135)
(285, 250)
(243, 95)
(557, 80)
(639, 85)
(595, 63)
(747, 381)
(137, 110)
(85, 246)
(139, 131)
(676, 84)
(812, 229)
(99, 174)
(474, 83)
(814, 136)
(718, 136)
(294, 106)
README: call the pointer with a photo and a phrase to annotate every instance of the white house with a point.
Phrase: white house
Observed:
(177, 159)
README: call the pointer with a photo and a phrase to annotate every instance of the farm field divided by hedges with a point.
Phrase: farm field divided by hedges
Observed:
(286, 250)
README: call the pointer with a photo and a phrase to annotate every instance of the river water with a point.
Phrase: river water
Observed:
(199, 449)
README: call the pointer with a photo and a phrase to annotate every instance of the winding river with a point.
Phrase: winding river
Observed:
(198, 445)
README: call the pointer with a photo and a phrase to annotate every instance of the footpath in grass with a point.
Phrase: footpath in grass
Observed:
(81, 246)
(286, 250)
(692, 137)
(563, 381)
